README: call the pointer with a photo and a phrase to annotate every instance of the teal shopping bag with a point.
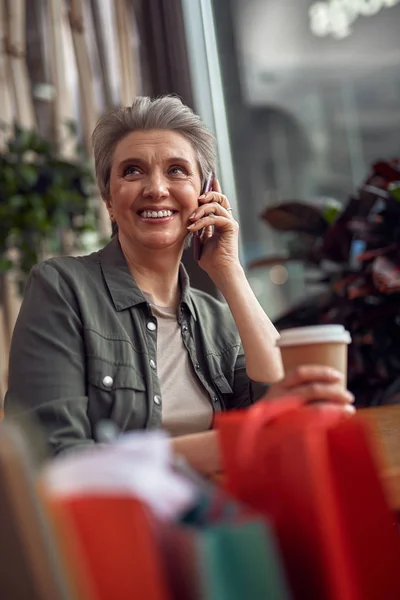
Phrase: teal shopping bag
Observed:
(220, 550)
(239, 562)
(234, 559)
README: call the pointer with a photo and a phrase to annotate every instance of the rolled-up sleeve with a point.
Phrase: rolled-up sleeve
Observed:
(47, 362)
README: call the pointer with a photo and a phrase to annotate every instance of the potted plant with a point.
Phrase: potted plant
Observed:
(44, 200)
(357, 253)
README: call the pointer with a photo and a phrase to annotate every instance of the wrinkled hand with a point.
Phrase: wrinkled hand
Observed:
(316, 384)
(220, 231)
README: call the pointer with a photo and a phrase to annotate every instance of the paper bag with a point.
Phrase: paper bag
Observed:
(313, 474)
(117, 540)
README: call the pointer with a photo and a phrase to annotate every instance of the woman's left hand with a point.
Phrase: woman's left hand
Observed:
(220, 232)
(317, 385)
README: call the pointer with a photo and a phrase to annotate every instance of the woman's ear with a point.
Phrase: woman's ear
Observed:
(110, 210)
(114, 226)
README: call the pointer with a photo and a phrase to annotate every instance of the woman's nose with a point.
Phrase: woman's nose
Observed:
(155, 187)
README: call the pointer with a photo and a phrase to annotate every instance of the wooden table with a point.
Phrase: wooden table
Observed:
(384, 424)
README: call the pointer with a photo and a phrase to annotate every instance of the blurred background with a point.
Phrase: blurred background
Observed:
(302, 97)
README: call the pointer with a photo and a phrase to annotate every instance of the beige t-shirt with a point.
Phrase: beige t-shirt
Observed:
(186, 405)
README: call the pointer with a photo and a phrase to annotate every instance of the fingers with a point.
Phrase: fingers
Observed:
(208, 209)
(220, 223)
(311, 373)
(322, 392)
(214, 197)
(207, 234)
(315, 384)
(346, 409)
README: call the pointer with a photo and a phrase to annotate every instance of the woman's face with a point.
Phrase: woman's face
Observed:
(154, 188)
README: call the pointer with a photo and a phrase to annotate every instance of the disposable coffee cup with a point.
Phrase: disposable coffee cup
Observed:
(325, 345)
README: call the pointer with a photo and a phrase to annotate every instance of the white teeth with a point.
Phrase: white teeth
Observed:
(152, 214)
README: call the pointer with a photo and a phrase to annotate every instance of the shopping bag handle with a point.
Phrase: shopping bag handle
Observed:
(266, 412)
(258, 417)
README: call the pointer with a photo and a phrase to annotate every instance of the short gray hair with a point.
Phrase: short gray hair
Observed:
(165, 112)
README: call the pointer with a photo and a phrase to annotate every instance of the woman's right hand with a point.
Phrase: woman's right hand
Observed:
(201, 450)
(315, 384)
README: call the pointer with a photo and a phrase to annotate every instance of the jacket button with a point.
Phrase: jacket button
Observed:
(152, 364)
(184, 327)
(108, 381)
(215, 399)
(151, 326)
(157, 400)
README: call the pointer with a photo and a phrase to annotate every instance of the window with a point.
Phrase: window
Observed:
(312, 99)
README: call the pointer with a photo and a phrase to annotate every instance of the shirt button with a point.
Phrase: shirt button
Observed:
(108, 381)
(151, 326)
(152, 364)
(157, 400)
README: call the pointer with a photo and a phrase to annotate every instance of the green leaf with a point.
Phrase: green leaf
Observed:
(331, 213)
(17, 201)
(60, 219)
(394, 189)
(9, 175)
(5, 264)
(29, 174)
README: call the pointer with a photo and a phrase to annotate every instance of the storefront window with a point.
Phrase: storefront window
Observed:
(313, 97)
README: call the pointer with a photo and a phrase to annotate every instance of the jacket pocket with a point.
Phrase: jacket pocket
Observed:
(118, 393)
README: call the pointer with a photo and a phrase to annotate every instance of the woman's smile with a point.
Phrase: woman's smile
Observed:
(157, 215)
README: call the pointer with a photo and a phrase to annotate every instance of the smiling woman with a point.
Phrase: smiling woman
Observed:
(120, 335)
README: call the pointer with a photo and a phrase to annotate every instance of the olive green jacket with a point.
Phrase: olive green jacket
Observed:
(84, 349)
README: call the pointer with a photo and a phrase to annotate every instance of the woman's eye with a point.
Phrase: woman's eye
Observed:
(177, 171)
(131, 170)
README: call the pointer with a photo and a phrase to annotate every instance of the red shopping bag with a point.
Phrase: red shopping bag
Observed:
(116, 541)
(312, 473)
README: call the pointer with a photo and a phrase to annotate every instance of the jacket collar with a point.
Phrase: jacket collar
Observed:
(186, 297)
(123, 289)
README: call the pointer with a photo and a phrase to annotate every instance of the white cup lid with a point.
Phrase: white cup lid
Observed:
(317, 334)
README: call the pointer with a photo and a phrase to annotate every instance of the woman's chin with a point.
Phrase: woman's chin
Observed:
(164, 242)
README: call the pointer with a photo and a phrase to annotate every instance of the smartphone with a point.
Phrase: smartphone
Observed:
(197, 246)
